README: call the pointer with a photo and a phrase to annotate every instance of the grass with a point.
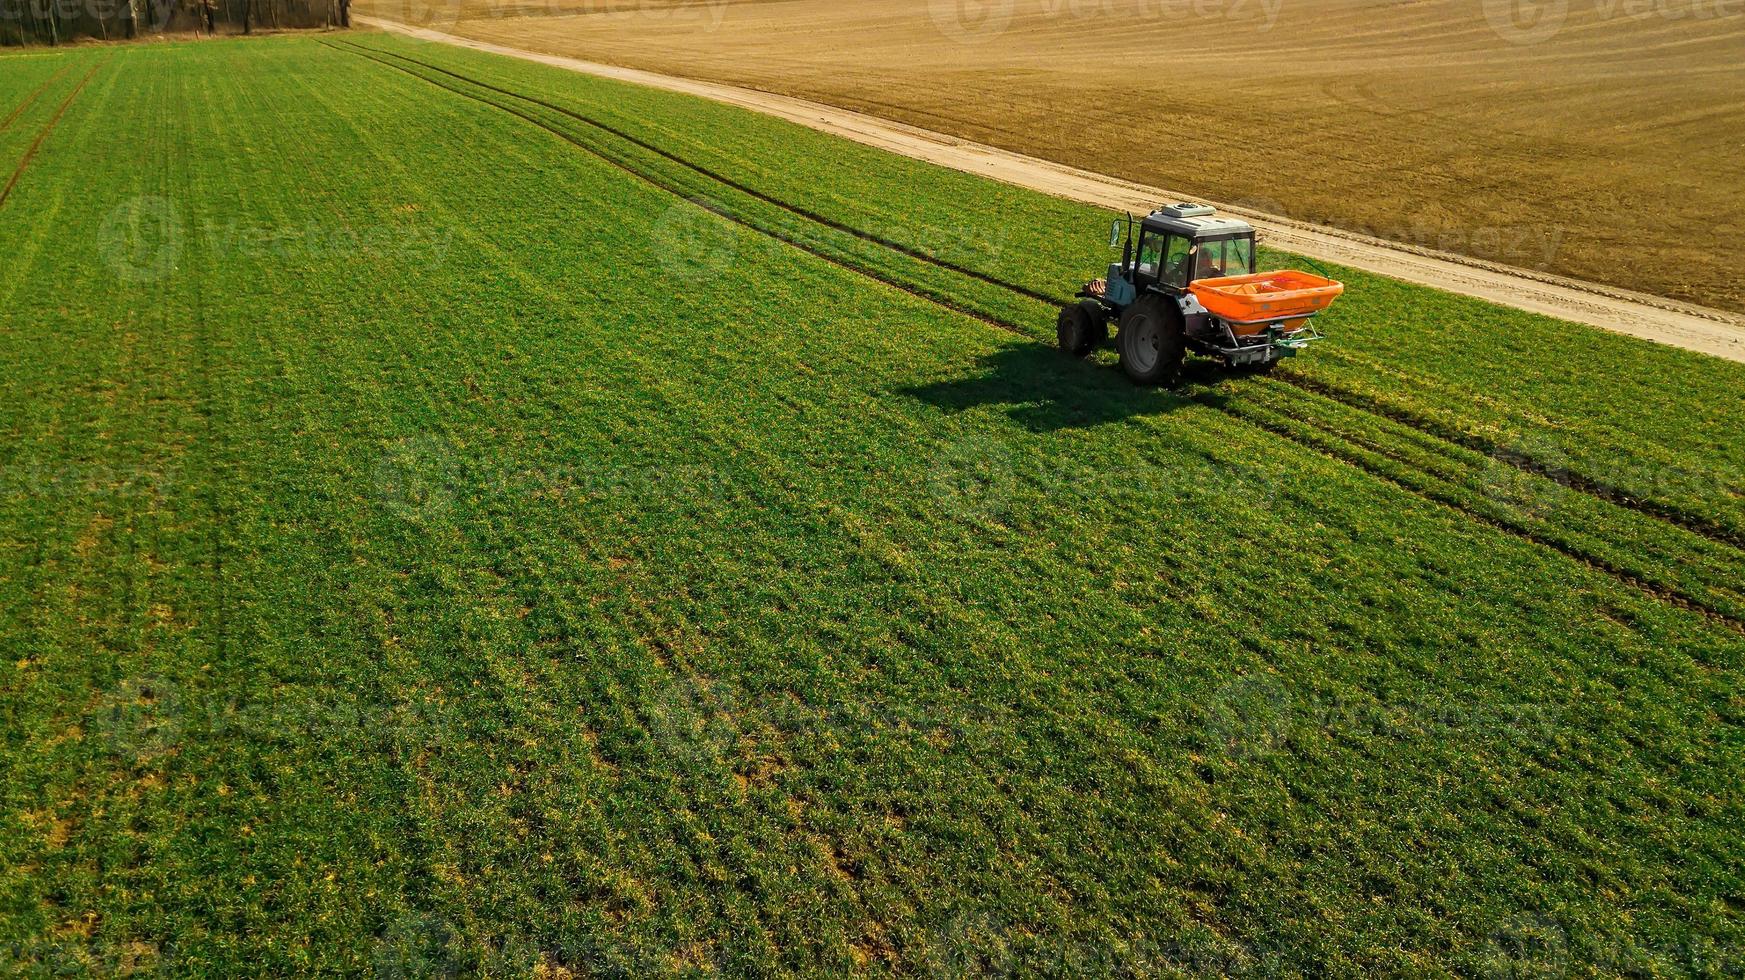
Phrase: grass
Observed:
(428, 561)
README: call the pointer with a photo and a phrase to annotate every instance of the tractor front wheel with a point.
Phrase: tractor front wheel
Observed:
(1080, 328)
(1152, 341)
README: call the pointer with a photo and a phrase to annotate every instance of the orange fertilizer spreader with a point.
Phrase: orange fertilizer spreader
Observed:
(1191, 285)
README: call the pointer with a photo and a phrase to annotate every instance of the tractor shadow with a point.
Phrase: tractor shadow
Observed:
(1049, 391)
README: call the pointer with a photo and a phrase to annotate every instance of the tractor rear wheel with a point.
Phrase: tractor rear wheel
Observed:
(1080, 328)
(1099, 322)
(1152, 341)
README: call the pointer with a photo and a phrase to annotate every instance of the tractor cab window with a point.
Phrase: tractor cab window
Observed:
(1225, 257)
(1150, 251)
(1238, 256)
(1211, 261)
(1177, 260)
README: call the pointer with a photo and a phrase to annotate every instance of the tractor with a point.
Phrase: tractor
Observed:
(1192, 285)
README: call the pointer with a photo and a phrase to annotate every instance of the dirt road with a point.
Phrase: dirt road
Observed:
(1696, 328)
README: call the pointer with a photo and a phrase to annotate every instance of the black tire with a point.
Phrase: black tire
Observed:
(1152, 341)
(1080, 328)
(1099, 322)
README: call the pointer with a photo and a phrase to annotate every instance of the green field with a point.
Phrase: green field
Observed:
(461, 516)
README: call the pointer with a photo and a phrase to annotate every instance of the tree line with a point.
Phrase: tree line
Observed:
(60, 21)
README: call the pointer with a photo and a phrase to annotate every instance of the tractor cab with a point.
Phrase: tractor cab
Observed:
(1184, 242)
(1191, 285)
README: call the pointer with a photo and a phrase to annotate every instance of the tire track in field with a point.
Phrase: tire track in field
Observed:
(30, 100)
(705, 693)
(1524, 462)
(30, 154)
(729, 181)
(1598, 489)
(687, 828)
(850, 879)
(1670, 595)
(1666, 594)
(915, 291)
(1697, 562)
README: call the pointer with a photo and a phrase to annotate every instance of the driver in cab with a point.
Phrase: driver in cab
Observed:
(1207, 265)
